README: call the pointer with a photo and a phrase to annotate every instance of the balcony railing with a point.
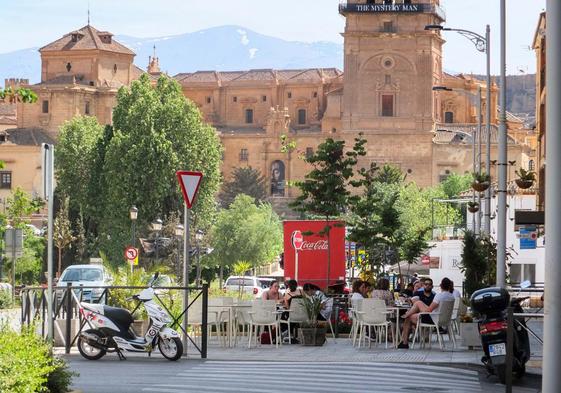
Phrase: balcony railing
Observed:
(397, 7)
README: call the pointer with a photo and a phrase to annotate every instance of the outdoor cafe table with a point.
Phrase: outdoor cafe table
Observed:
(231, 325)
(396, 312)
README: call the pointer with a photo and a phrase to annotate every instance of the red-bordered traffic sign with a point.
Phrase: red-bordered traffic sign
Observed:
(297, 240)
(131, 253)
(189, 182)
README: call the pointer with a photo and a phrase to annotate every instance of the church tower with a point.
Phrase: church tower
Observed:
(391, 65)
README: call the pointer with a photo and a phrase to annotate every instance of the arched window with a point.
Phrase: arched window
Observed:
(277, 179)
(448, 117)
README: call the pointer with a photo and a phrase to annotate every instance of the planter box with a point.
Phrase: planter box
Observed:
(312, 336)
(469, 332)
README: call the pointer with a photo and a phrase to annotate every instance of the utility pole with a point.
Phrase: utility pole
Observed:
(551, 377)
(487, 216)
(502, 163)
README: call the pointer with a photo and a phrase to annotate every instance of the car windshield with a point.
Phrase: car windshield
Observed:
(84, 274)
(265, 283)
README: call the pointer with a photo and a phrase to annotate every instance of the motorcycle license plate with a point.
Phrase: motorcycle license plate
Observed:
(497, 349)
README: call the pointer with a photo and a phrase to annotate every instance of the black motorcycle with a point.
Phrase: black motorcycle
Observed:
(491, 305)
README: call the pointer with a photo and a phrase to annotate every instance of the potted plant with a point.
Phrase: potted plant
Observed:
(481, 181)
(312, 333)
(525, 178)
(469, 331)
(473, 207)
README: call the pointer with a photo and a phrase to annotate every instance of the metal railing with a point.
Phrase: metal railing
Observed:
(66, 306)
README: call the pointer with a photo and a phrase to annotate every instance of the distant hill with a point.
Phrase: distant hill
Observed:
(520, 93)
(224, 48)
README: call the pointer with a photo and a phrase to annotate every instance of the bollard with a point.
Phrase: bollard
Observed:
(509, 349)
(68, 316)
(204, 327)
(336, 309)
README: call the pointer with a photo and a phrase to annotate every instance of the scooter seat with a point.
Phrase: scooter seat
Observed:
(121, 317)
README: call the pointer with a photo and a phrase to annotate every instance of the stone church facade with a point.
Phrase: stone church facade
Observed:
(385, 92)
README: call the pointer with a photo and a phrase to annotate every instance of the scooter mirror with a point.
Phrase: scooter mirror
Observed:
(525, 284)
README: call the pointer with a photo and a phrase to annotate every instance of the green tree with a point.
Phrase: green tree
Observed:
(19, 94)
(456, 184)
(20, 207)
(248, 181)
(325, 190)
(474, 264)
(156, 132)
(74, 159)
(245, 232)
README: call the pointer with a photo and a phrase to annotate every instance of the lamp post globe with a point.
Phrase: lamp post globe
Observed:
(133, 214)
(157, 227)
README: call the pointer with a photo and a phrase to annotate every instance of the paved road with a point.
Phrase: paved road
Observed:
(160, 376)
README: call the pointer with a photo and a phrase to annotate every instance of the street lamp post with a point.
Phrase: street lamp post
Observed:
(198, 237)
(179, 231)
(157, 227)
(133, 212)
(483, 45)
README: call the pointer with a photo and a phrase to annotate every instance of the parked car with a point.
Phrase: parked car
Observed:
(249, 284)
(87, 276)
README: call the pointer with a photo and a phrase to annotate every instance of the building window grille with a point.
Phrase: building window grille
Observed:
(309, 152)
(5, 180)
(208, 100)
(87, 108)
(244, 155)
(301, 116)
(264, 98)
(289, 94)
(448, 117)
(531, 165)
(235, 99)
(249, 116)
(387, 105)
(45, 106)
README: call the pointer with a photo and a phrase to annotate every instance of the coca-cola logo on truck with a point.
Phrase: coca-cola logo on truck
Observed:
(317, 245)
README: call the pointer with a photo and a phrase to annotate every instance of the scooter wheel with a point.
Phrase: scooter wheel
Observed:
(500, 370)
(170, 348)
(89, 352)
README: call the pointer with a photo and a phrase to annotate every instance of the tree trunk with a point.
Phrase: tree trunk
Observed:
(58, 273)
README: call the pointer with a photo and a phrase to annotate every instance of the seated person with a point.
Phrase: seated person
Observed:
(359, 290)
(454, 291)
(273, 292)
(417, 286)
(382, 291)
(312, 290)
(409, 290)
(292, 292)
(412, 316)
(426, 295)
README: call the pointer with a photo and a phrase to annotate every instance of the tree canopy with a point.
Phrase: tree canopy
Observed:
(248, 181)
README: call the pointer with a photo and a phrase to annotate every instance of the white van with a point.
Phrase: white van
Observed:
(249, 284)
(87, 276)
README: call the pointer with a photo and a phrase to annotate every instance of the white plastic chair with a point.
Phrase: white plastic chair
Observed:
(454, 317)
(373, 314)
(442, 318)
(355, 317)
(242, 318)
(195, 318)
(296, 314)
(264, 313)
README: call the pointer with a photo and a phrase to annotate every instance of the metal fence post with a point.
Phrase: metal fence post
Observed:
(509, 349)
(204, 327)
(68, 316)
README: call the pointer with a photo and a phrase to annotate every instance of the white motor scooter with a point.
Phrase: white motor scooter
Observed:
(110, 330)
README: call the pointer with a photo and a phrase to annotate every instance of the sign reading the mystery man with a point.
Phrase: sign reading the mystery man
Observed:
(383, 7)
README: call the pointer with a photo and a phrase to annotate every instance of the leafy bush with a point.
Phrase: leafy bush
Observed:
(5, 299)
(26, 364)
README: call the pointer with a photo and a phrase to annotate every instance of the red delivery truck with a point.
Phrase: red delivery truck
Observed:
(312, 257)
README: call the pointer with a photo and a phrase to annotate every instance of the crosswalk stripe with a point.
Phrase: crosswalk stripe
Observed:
(232, 376)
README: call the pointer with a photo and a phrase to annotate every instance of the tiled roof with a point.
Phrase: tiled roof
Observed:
(312, 74)
(29, 136)
(65, 80)
(90, 40)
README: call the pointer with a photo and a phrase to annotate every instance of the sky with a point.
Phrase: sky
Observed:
(34, 23)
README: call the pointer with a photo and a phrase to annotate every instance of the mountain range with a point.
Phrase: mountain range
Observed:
(224, 48)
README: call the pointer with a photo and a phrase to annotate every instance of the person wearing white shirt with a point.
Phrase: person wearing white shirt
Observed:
(412, 316)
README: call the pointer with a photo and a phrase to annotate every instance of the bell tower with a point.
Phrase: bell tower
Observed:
(391, 64)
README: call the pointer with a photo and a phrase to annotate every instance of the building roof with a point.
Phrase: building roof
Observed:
(89, 39)
(306, 74)
(29, 136)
